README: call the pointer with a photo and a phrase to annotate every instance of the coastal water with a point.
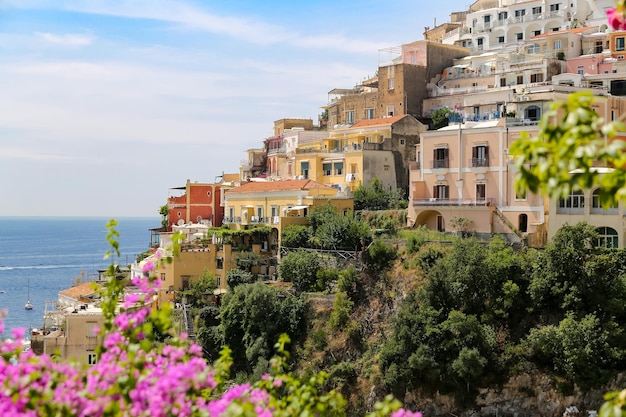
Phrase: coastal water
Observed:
(40, 256)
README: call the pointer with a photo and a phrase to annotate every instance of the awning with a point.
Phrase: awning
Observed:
(286, 209)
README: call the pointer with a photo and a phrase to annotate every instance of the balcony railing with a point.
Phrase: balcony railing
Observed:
(440, 163)
(454, 202)
(252, 220)
(479, 162)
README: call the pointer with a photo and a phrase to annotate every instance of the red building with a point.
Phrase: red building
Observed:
(200, 203)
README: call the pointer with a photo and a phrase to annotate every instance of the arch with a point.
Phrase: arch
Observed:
(511, 33)
(522, 222)
(551, 24)
(531, 29)
(533, 113)
(432, 219)
(607, 237)
(596, 205)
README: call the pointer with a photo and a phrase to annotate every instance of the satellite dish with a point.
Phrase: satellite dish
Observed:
(181, 222)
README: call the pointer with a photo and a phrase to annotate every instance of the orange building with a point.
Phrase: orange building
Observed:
(200, 203)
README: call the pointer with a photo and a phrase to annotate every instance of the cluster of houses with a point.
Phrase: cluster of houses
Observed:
(496, 67)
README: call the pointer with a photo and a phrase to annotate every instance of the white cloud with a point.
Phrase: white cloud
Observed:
(68, 39)
(189, 16)
(13, 153)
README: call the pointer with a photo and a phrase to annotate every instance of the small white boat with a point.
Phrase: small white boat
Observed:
(2, 291)
(28, 305)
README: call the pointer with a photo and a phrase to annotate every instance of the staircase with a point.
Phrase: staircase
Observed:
(518, 238)
(188, 321)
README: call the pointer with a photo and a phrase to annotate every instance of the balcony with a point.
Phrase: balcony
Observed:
(453, 202)
(440, 163)
(479, 162)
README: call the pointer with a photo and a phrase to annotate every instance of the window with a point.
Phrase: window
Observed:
(519, 36)
(350, 117)
(503, 15)
(503, 82)
(304, 169)
(580, 70)
(327, 168)
(481, 192)
(402, 142)
(218, 281)
(555, 7)
(598, 48)
(92, 358)
(536, 78)
(185, 279)
(574, 204)
(520, 79)
(338, 168)
(536, 32)
(533, 49)
(441, 191)
(557, 44)
(440, 158)
(519, 15)
(162, 276)
(500, 39)
(537, 10)
(480, 156)
(596, 205)
(390, 110)
(369, 113)
(619, 44)
(440, 224)
(607, 237)
(532, 113)
(274, 211)
(523, 222)
(487, 19)
(219, 263)
(259, 213)
(520, 195)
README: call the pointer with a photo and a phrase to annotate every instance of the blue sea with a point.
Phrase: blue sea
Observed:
(40, 256)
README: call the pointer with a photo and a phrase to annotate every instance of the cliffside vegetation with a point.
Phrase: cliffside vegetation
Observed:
(415, 317)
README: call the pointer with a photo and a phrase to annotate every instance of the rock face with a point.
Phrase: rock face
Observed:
(524, 395)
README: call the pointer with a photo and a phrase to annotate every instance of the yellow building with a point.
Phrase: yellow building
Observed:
(354, 155)
(256, 213)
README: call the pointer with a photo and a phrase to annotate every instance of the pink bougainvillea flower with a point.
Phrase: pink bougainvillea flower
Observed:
(616, 18)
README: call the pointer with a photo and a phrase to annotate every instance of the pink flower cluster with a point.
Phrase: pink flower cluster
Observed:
(130, 378)
(617, 16)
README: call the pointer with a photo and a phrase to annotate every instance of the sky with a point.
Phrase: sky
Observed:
(106, 105)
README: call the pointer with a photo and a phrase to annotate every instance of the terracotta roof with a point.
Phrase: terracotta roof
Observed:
(575, 30)
(78, 291)
(268, 186)
(381, 121)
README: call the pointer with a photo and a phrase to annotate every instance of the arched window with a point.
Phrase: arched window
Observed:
(532, 113)
(574, 204)
(596, 205)
(607, 237)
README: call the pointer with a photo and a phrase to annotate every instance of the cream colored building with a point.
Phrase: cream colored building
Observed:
(585, 206)
(464, 171)
(74, 338)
